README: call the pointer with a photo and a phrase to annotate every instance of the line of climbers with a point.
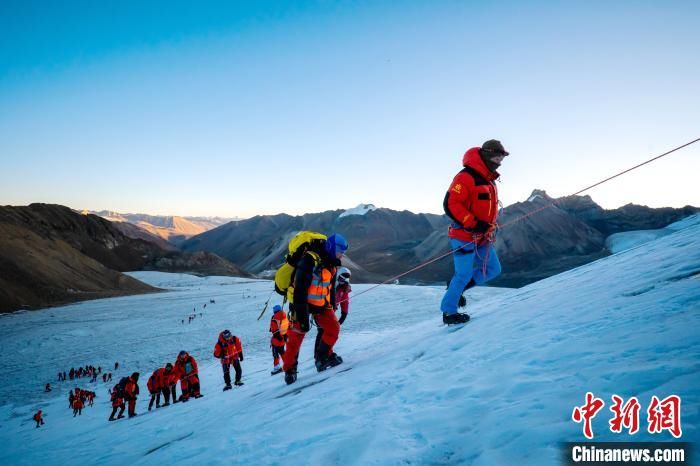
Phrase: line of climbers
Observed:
(316, 286)
(78, 398)
(87, 371)
(193, 316)
(161, 382)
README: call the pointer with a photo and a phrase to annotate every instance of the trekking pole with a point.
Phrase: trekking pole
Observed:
(266, 304)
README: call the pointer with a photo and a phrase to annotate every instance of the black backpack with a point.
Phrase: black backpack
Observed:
(121, 387)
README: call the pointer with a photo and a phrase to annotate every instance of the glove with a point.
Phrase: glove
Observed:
(342, 318)
(241, 358)
(481, 227)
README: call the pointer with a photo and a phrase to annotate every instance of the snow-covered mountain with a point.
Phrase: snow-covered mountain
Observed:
(361, 209)
(566, 233)
(500, 390)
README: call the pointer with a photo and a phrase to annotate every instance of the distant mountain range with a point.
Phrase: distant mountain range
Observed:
(385, 243)
(172, 229)
(51, 255)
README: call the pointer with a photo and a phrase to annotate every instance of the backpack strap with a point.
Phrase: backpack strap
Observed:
(479, 179)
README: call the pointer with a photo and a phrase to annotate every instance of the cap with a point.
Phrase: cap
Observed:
(494, 147)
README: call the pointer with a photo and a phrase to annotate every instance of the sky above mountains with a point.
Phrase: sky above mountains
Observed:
(267, 107)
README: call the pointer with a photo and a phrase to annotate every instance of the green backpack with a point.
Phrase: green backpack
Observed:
(297, 247)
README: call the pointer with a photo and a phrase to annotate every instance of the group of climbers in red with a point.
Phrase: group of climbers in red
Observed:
(80, 372)
(78, 399)
(162, 382)
(321, 287)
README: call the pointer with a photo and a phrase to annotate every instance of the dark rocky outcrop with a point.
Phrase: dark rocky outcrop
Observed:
(51, 255)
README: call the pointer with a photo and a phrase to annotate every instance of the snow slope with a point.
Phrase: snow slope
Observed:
(499, 390)
(619, 242)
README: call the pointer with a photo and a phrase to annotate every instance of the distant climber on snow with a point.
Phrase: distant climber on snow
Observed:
(279, 324)
(39, 419)
(342, 292)
(472, 203)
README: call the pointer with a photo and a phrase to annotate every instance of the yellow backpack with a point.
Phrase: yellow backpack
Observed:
(297, 247)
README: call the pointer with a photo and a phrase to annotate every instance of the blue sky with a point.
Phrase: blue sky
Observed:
(244, 108)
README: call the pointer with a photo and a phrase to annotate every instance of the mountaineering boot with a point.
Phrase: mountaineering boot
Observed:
(457, 318)
(322, 364)
(238, 383)
(334, 360)
(290, 376)
(227, 387)
(276, 370)
(324, 357)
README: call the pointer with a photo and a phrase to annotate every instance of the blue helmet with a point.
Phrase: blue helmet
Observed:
(336, 243)
(276, 308)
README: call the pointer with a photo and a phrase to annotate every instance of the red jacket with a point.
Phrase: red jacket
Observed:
(342, 297)
(153, 383)
(279, 325)
(131, 389)
(186, 367)
(171, 378)
(37, 416)
(116, 399)
(472, 196)
(228, 350)
(78, 403)
(163, 378)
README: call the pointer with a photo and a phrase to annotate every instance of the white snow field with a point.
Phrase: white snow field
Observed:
(619, 242)
(498, 391)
